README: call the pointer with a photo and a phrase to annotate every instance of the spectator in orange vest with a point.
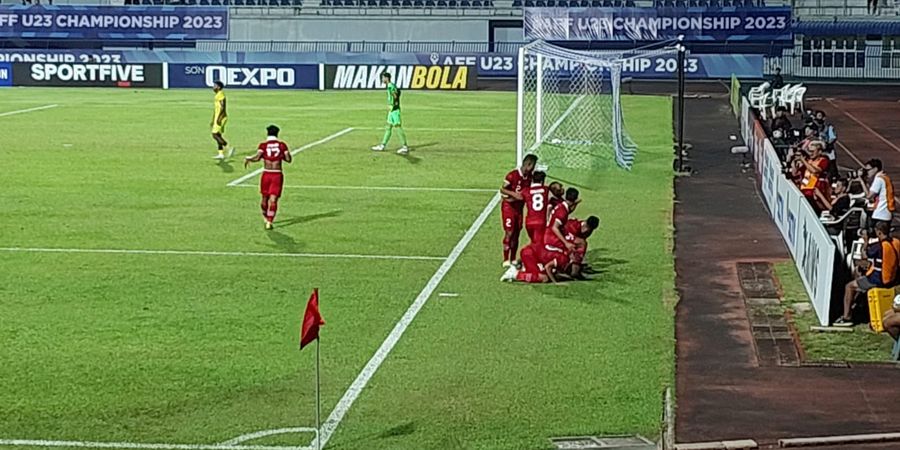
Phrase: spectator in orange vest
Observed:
(881, 272)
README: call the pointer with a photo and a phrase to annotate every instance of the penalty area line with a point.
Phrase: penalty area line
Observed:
(137, 445)
(22, 111)
(293, 152)
(215, 253)
(355, 389)
(380, 188)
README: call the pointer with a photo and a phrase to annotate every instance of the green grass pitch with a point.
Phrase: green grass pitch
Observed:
(202, 348)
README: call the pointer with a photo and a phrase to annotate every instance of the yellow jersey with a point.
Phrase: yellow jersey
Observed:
(217, 104)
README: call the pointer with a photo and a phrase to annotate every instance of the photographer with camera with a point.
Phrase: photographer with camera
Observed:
(879, 191)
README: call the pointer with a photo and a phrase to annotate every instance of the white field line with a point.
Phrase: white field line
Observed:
(293, 152)
(350, 396)
(141, 446)
(21, 111)
(450, 130)
(379, 188)
(264, 433)
(555, 125)
(214, 253)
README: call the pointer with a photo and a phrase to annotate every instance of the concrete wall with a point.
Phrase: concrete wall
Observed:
(331, 28)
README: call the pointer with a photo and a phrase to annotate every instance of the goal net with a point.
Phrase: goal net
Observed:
(569, 110)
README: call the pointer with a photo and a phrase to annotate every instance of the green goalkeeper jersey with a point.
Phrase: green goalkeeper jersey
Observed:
(393, 96)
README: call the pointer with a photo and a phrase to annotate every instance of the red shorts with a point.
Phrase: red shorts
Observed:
(530, 257)
(271, 183)
(536, 232)
(560, 256)
(512, 217)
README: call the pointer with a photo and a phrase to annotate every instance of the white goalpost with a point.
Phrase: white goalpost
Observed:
(569, 110)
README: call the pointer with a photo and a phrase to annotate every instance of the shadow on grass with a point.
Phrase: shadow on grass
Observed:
(306, 219)
(601, 287)
(401, 430)
(283, 241)
(225, 166)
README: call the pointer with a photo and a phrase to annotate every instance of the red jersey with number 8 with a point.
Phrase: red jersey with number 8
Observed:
(537, 199)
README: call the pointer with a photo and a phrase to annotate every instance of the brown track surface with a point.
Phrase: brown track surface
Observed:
(722, 393)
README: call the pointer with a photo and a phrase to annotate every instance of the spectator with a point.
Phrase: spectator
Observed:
(891, 320)
(777, 82)
(782, 122)
(839, 202)
(814, 168)
(810, 134)
(882, 269)
(880, 192)
(829, 136)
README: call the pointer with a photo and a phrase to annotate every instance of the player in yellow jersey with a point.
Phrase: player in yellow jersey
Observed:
(220, 118)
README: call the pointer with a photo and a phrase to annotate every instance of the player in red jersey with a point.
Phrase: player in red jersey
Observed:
(577, 232)
(272, 151)
(537, 202)
(556, 194)
(514, 183)
(539, 264)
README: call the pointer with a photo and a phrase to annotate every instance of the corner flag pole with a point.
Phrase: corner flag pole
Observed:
(318, 402)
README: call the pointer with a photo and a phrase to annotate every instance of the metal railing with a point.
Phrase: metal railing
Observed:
(360, 47)
(870, 64)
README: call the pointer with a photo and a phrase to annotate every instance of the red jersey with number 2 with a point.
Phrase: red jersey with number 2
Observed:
(516, 181)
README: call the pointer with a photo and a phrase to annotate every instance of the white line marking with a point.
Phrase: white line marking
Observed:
(135, 445)
(21, 111)
(213, 253)
(331, 424)
(264, 433)
(293, 152)
(866, 127)
(451, 130)
(380, 188)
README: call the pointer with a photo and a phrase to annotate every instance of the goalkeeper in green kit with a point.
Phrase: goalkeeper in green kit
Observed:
(393, 118)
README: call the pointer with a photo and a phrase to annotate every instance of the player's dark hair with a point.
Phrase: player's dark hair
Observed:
(876, 163)
(530, 158)
(593, 222)
(571, 194)
(272, 130)
(538, 177)
(219, 84)
(883, 227)
(386, 74)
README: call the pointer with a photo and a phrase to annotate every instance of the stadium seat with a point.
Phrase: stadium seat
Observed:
(529, 3)
(285, 2)
(607, 3)
(726, 3)
(429, 4)
(517, 4)
(617, 4)
(714, 4)
(488, 3)
(693, 4)
(452, 3)
(540, 3)
(629, 4)
(465, 4)
(441, 3)
(680, 4)
(406, 4)
(419, 3)
(204, 3)
(550, 3)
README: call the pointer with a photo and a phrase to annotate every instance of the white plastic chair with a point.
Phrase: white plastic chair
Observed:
(758, 90)
(761, 102)
(779, 96)
(795, 98)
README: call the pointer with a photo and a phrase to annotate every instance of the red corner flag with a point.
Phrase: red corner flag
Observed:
(312, 320)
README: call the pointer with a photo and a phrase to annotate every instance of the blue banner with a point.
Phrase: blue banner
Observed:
(249, 76)
(657, 67)
(113, 22)
(488, 65)
(658, 24)
(6, 74)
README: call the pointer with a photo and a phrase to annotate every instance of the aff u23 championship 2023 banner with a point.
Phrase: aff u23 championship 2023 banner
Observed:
(113, 22)
(658, 24)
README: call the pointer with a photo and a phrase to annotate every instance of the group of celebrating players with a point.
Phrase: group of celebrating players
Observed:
(558, 240)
